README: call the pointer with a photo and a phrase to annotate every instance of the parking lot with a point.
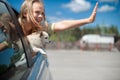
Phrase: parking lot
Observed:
(84, 65)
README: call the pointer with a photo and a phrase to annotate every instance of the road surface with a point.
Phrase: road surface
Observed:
(84, 65)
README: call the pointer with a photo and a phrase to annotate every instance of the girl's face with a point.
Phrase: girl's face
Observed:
(38, 11)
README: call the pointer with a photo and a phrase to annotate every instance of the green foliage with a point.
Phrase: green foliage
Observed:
(54, 37)
(75, 34)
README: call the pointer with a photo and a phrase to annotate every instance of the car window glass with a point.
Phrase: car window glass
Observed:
(12, 57)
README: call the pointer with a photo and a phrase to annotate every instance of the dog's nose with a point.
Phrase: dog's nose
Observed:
(49, 41)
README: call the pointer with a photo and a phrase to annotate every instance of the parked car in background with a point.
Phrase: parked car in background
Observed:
(96, 41)
(17, 59)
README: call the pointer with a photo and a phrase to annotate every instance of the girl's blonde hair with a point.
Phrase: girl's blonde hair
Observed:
(27, 8)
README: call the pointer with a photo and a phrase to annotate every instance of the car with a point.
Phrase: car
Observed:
(95, 38)
(96, 41)
(17, 59)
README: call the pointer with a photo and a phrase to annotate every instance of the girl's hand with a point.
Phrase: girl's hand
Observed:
(93, 15)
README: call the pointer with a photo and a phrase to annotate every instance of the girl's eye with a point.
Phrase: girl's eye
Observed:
(42, 13)
(37, 12)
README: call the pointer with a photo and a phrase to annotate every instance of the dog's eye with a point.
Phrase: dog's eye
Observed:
(46, 37)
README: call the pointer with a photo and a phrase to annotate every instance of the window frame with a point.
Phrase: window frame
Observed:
(26, 47)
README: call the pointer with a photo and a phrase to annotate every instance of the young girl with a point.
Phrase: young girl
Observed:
(32, 19)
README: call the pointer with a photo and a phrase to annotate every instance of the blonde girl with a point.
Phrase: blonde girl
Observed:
(32, 19)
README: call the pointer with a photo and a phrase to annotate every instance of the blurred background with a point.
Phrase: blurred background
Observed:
(90, 52)
(106, 25)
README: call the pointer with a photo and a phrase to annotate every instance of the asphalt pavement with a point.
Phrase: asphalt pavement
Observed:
(84, 65)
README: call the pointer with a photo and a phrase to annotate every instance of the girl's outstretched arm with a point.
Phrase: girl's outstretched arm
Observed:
(67, 24)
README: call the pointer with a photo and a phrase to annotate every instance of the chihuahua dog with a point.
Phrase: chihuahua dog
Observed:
(38, 41)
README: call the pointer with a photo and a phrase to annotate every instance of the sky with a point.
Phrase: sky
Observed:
(108, 12)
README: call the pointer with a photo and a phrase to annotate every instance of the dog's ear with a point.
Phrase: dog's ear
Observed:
(41, 34)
